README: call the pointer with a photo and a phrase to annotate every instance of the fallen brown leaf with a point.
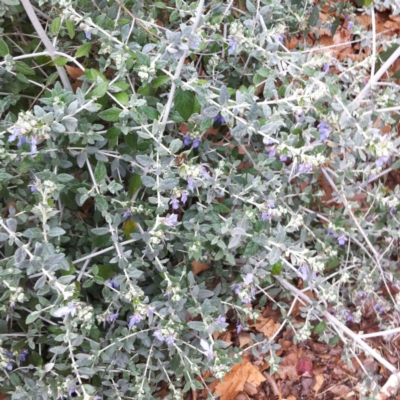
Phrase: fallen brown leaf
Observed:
(199, 267)
(74, 72)
(319, 380)
(234, 381)
(267, 326)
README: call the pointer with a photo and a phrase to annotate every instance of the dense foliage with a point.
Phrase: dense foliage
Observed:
(191, 134)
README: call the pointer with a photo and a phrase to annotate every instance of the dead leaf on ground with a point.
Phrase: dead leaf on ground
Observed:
(319, 380)
(234, 381)
(340, 390)
(199, 267)
(267, 326)
(287, 368)
(244, 339)
(74, 72)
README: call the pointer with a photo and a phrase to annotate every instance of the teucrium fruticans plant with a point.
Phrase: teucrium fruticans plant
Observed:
(110, 193)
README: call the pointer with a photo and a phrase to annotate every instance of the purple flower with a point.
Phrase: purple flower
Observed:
(33, 188)
(170, 339)
(305, 168)
(70, 309)
(113, 283)
(127, 214)
(303, 272)
(280, 37)
(21, 141)
(382, 160)
(184, 196)
(23, 354)
(158, 335)
(16, 133)
(219, 119)
(239, 328)
(33, 143)
(379, 308)
(174, 203)
(271, 204)
(207, 349)
(326, 67)
(9, 366)
(134, 320)
(190, 183)
(232, 43)
(12, 305)
(332, 232)
(71, 390)
(272, 152)
(171, 220)
(133, 170)
(196, 143)
(362, 294)
(112, 317)
(88, 34)
(342, 239)
(246, 300)
(350, 24)
(237, 288)
(187, 140)
(248, 279)
(220, 320)
(265, 216)
(204, 172)
(324, 130)
(283, 158)
(150, 311)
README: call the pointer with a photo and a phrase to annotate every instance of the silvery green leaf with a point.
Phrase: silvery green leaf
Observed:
(148, 47)
(234, 242)
(81, 159)
(70, 123)
(148, 181)
(204, 293)
(239, 131)
(93, 107)
(12, 224)
(100, 231)
(239, 231)
(57, 127)
(48, 367)
(224, 95)
(168, 184)
(40, 282)
(197, 326)
(56, 231)
(274, 256)
(143, 135)
(3, 237)
(73, 107)
(145, 161)
(253, 112)
(210, 112)
(175, 145)
(32, 233)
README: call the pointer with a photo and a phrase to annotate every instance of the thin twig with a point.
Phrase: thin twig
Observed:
(388, 63)
(330, 318)
(178, 71)
(46, 41)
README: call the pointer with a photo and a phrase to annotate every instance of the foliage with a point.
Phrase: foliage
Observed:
(192, 134)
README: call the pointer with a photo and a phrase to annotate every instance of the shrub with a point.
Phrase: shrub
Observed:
(192, 137)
